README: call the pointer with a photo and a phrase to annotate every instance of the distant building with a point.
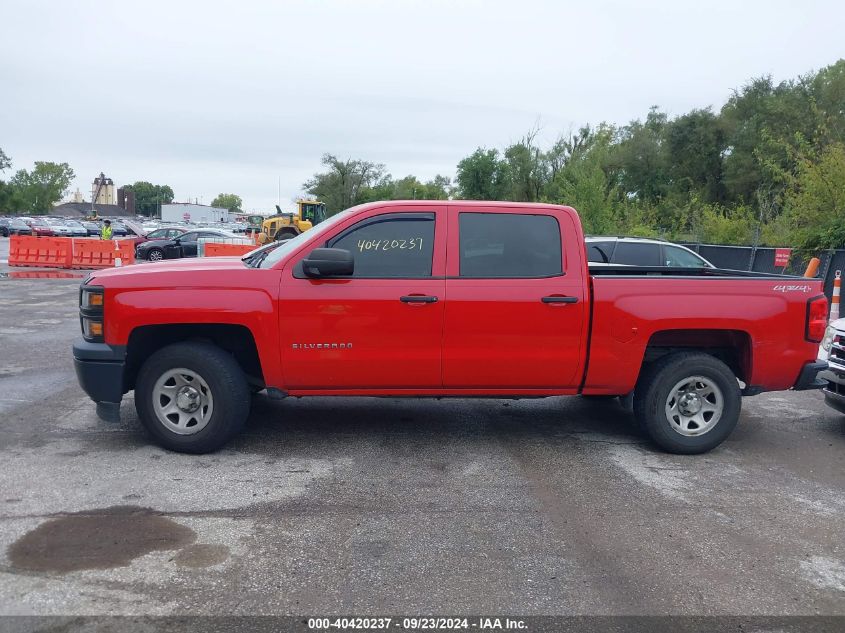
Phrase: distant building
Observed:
(189, 212)
(83, 209)
(102, 190)
(106, 203)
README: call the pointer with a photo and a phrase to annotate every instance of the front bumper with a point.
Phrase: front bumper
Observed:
(100, 370)
(834, 391)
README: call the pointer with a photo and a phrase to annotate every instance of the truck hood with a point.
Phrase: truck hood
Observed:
(180, 266)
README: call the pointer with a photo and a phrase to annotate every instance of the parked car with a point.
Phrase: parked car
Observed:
(184, 245)
(59, 228)
(638, 251)
(163, 233)
(92, 228)
(376, 301)
(76, 228)
(118, 230)
(4, 227)
(40, 228)
(16, 226)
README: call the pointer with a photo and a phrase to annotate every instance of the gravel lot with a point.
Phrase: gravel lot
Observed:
(385, 506)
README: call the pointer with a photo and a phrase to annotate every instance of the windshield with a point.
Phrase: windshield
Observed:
(286, 247)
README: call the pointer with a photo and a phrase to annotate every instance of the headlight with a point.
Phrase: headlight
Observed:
(91, 299)
(827, 341)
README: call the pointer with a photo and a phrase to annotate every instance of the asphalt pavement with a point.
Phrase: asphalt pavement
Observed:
(390, 506)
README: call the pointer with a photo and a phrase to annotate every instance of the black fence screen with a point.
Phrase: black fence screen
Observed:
(762, 260)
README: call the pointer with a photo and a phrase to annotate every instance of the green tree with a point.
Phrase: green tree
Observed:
(6, 191)
(583, 183)
(694, 146)
(815, 205)
(38, 190)
(345, 183)
(641, 158)
(150, 197)
(228, 201)
(483, 176)
(526, 168)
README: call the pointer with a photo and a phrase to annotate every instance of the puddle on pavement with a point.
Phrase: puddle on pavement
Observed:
(97, 539)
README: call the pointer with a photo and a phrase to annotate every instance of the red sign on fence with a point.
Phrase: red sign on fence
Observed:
(782, 257)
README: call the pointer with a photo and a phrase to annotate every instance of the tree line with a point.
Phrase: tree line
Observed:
(766, 168)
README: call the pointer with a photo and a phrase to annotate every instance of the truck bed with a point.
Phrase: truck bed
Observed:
(759, 317)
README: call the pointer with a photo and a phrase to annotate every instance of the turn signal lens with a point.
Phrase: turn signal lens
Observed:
(95, 299)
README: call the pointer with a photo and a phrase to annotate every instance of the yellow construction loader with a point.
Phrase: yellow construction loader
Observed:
(284, 226)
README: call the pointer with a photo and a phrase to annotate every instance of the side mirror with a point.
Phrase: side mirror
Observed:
(328, 262)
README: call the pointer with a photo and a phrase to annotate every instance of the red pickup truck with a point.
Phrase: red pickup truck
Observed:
(441, 298)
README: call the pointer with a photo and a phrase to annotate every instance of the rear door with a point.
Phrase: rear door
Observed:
(515, 308)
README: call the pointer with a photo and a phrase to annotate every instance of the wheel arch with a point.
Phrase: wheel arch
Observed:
(238, 340)
(732, 347)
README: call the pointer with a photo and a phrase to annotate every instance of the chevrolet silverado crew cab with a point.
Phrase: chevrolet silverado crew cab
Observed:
(441, 298)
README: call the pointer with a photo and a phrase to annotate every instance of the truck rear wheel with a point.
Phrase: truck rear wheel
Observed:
(688, 402)
(192, 397)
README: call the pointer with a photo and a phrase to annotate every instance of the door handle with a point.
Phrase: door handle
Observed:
(559, 299)
(418, 299)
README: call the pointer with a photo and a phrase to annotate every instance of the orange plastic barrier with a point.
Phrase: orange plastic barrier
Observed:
(101, 253)
(40, 252)
(227, 250)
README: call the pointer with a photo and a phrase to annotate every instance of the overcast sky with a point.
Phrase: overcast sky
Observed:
(213, 97)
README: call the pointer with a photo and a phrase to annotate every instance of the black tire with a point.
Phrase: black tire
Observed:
(160, 253)
(226, 382)
(652, 394)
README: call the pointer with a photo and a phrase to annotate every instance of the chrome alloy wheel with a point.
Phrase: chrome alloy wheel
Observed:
(156, 256)
(182, 401)
(694, 406)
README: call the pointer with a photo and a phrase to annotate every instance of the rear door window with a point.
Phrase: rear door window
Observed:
(509, 245)
(637, 254)
(600, 252)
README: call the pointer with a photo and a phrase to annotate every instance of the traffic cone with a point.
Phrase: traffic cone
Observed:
(834, 301)
(118, 262)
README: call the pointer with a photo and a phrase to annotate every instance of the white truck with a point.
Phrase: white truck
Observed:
(832, 352)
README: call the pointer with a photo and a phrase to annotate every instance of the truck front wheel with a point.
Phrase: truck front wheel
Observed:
(688, 402)
(192, 397)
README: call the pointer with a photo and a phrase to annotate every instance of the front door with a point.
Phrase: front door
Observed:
(381, 328)
(515, 310)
